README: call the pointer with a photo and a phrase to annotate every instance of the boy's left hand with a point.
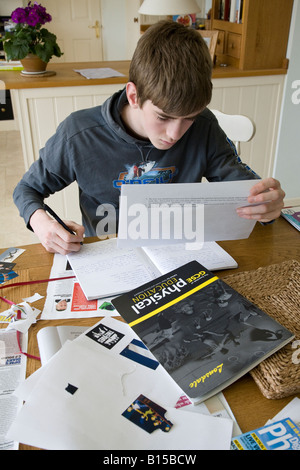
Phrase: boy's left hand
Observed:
(268, 195)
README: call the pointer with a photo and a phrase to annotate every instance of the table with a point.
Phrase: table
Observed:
(266, 245)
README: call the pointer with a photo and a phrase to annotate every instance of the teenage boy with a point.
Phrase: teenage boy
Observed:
(156, 130)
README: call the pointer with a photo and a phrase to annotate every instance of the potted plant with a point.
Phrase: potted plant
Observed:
(28, 41)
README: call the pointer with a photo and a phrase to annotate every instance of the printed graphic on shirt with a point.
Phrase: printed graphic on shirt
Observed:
(145, 173)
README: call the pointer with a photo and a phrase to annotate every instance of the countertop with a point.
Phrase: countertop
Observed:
(65, 75)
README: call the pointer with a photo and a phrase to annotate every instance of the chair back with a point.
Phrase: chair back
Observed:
(237, 127)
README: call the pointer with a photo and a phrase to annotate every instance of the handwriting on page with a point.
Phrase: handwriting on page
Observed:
(118, 265)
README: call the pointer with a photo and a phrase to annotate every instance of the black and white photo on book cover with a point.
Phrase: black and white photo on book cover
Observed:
(209, 338)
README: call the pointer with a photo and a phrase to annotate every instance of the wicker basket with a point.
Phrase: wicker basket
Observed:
(276, 290)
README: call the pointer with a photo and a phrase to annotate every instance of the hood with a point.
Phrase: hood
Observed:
(111, 113)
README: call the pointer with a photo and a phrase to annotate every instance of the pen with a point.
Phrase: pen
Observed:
(55, 216)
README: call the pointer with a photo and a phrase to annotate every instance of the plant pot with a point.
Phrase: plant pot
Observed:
(33, 64)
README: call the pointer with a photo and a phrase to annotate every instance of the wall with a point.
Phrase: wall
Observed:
(287, 163)
(113, 29)
(7, 6)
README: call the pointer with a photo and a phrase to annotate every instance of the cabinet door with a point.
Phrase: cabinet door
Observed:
(220, 49)
(260, 40)
(266, 33)
(233, 47)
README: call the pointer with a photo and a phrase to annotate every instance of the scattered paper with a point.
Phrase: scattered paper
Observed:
(105, 383)
(52, 338)
(33, 298)
(104, 72)
(11, 254)
(291, 410)
(12, 373)
(28, 317)
(65, 298)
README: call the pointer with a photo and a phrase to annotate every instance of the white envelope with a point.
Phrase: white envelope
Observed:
(107, 383)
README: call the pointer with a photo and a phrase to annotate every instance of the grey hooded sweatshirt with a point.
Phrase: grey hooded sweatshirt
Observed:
(92, 147)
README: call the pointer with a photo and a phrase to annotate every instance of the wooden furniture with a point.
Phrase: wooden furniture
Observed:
(266, 245)
(66, 76)
(260, 40)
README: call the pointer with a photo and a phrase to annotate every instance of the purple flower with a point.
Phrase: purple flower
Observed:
(33, 18)
(41, 11)
(31, 15)
(19, 15)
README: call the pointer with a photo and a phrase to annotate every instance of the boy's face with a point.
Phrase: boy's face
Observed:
(161, 129)
(151, 123)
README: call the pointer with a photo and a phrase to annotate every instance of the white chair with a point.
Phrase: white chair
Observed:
(237, 127)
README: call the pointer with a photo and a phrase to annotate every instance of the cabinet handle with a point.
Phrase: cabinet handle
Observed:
(3, 110)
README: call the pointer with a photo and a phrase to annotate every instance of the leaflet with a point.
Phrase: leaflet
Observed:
(184, 212)
(65, 298)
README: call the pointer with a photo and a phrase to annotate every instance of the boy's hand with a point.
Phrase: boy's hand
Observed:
(53, 236)
(268, 195)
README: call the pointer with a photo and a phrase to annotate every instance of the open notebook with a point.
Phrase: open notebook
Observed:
(105, 270)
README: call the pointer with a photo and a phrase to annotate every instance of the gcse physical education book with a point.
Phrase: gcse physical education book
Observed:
(204, 333)
(105, 270)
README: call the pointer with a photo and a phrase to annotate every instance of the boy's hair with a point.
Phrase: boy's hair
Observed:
(172, 67)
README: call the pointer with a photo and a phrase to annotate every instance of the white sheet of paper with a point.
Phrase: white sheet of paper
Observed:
(140, 225)
(212, 256)
(107, 384)
(51, 339)
(291, 410)
(124, 269)
(103, 72)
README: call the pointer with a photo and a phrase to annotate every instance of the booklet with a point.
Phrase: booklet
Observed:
(292, 215)
(204, 333)
(65, 298)
(282, 435)
(105, 270)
